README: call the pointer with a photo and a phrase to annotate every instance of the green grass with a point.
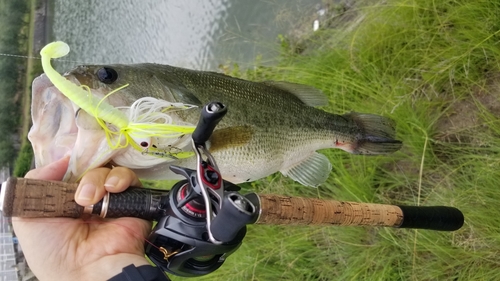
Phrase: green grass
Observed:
(22, 163)
(23, 160)
(432, 66)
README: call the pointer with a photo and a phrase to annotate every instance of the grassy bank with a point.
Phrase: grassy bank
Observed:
(14, 17)
(17, 72)
(33, 68)
(433, 66)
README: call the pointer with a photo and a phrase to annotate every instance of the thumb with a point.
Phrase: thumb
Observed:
(52, 171)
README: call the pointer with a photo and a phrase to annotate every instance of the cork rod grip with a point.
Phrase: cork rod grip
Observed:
(280, 210)
(39, 198)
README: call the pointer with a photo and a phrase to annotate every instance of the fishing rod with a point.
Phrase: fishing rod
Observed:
(201, 220)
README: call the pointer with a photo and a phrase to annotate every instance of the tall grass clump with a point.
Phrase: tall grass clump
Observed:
(24, 160)
(433, 67)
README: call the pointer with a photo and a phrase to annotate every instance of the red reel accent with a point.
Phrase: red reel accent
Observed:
(189, 206)
(218, 184)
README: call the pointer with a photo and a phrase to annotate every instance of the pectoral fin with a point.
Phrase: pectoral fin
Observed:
(311, 172)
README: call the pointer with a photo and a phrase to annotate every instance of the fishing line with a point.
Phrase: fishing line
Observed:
(39, 58)
(17, 56)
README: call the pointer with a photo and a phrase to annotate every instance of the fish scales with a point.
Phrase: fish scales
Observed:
(270, 126)
(277, 138)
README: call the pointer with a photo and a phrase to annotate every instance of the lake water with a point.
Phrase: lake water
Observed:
(198, 34)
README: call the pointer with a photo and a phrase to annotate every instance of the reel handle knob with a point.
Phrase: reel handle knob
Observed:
(237, 212)
(211, 114)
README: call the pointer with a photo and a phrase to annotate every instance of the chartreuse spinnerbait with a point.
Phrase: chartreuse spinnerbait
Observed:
(146, 119)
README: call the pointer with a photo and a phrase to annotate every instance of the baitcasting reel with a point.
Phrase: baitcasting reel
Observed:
(203, 219)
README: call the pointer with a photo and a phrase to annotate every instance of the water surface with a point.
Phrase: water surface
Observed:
(199, 34)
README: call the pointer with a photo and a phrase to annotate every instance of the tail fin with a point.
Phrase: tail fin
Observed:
(377, 134)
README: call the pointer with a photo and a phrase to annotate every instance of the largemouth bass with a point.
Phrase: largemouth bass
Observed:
(269, 127)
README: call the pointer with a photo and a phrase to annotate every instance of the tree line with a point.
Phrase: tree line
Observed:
(13, 40)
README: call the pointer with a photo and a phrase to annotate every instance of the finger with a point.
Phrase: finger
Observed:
(91, 188)
(120, 178)
(52, 171)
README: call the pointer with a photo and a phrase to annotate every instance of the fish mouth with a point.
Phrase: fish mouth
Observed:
(54, 131)
(61, 129)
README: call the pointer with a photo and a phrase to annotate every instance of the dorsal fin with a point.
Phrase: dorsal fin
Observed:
(307, 94)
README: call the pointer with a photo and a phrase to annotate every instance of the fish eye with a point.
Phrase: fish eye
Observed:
(107, 75)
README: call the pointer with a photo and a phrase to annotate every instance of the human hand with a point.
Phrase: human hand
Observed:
(83, 249)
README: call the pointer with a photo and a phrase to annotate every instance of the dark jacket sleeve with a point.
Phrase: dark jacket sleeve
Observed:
(141, 273)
